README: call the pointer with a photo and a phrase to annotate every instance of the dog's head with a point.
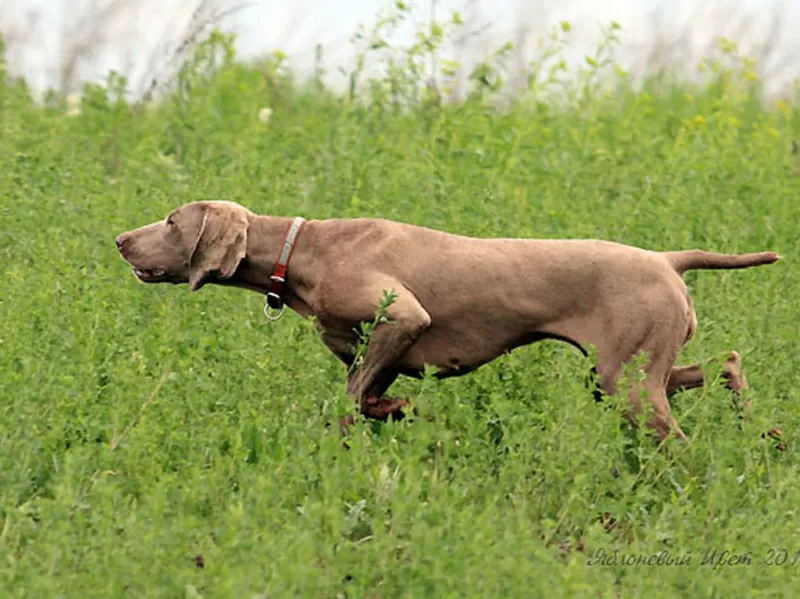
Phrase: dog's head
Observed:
(196, 242)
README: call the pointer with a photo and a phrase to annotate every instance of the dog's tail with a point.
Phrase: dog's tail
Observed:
(699, 260)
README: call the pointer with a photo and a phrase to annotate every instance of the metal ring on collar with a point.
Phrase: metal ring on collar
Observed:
(271, 315)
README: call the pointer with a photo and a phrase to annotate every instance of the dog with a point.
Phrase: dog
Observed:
(459, 302)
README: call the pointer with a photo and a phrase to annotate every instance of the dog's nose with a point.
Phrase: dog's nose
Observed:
(120, 242)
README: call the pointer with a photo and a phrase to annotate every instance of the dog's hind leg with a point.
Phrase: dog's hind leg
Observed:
(658, 334)
(653, 391)
(691, 377)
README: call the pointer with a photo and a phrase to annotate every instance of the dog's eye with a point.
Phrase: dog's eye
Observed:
(170, 221)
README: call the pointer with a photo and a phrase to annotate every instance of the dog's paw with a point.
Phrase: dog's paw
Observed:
(733, 375)
(384, 408)
(777, 436)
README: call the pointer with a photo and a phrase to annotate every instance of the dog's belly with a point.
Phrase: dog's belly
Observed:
(455, 353)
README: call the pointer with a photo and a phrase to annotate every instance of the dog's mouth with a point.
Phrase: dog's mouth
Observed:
(150, 275)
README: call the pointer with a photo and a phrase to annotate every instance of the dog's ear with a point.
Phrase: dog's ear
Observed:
(220, 246)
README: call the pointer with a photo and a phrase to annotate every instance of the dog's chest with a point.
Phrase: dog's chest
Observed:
(340, 342)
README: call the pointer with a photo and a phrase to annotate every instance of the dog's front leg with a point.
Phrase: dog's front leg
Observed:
(377, 369)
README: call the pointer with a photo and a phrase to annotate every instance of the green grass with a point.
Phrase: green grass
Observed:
(142, 426)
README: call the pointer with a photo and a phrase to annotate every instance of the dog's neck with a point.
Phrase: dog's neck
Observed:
(265, 238)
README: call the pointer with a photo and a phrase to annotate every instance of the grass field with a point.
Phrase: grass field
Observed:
(157, 443)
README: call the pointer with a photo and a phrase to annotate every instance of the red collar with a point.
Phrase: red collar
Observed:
(278, 278)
